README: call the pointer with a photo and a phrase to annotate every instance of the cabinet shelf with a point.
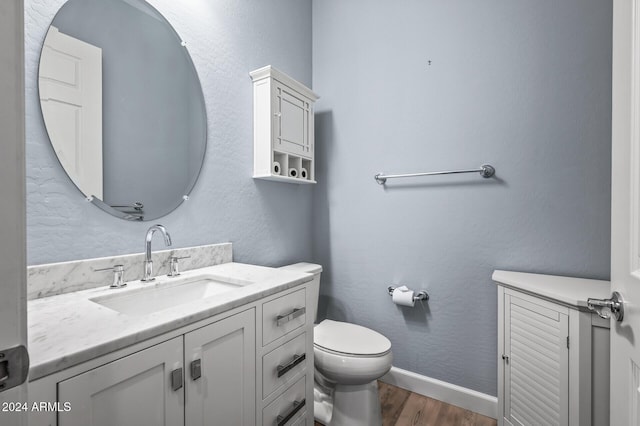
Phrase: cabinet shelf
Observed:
(285, 179)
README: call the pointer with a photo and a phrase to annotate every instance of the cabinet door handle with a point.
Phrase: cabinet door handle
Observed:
(282, 319)
(284, 369)
(176, 379)
(297, 406)
(196, 369)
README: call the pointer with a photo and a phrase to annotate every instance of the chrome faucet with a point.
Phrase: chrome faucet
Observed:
(148, 263)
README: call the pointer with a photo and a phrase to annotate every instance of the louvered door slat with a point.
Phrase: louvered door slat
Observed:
(536, 376)
(537, 399)
(535, 329)
(532, 413)
(542, 361)
(524, 417)
(525, 340)
(524, 315)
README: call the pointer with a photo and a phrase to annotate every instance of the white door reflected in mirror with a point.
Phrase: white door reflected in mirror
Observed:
(70, 85)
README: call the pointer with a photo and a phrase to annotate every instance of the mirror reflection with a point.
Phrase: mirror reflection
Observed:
(123, 106)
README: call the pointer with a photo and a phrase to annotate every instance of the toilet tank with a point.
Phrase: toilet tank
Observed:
(314, 285)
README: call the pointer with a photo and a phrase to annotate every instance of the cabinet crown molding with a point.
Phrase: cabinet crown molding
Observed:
(271, 72)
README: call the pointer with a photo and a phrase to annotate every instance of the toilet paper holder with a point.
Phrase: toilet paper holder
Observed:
(421, 295)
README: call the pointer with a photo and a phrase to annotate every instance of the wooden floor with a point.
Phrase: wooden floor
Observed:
(403, 408)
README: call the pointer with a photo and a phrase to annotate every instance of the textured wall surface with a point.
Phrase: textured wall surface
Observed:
(522, 85)
(268, 222)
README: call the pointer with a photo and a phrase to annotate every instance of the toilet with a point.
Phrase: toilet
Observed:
(349, 359)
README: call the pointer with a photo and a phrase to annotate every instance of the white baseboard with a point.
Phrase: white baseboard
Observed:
(468, 399)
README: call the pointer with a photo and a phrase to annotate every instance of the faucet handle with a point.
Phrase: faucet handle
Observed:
(174, 268)
(118, 275)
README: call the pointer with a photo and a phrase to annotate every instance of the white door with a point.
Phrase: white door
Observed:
(137, 390)
(221, 377)
(13, 312)
(70, 85)
(625, 212)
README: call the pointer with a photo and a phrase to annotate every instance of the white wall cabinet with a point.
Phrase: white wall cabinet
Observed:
(552, 357)
(230, 374)
(283, 127)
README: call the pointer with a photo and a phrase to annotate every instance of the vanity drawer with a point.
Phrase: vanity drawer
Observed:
(283, 363)
(283, 315)
(302, 421)
(288, 408)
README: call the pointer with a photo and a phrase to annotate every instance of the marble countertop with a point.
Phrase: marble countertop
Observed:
(568, 291)
(68, 329)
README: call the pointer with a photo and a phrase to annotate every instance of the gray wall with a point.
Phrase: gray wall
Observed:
(522, 85)
(267, 222)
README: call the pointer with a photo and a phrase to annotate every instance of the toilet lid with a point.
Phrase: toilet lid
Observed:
(349, 338)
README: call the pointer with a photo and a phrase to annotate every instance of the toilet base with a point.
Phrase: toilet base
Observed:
(322, 406)
(353, 405)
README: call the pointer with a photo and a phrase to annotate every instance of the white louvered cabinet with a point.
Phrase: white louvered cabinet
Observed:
(536, 362)
(552, 355)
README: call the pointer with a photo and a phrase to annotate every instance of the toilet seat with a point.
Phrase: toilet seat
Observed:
(345, 369)
(342, 338)
(349, 354)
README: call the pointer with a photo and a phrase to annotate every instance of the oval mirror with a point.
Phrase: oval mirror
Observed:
(123, 106)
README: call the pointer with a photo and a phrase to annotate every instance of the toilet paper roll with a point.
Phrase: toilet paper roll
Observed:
(303, 173)
(276, 168)
(293, 172)
(403, 296)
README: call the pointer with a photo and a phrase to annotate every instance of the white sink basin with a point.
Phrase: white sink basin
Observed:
(168, 294)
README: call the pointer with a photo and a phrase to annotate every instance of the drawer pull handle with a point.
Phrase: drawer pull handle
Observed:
(282, 319)
(176, 379)
(284, 369)
(297, 406)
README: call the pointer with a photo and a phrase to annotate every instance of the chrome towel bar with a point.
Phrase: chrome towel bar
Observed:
(486, 171)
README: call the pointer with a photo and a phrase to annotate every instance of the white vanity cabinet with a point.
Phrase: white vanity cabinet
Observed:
(146, 388)
(138, 385)
(285, 356)
(283, 127)
(220, 371)
(551, 350)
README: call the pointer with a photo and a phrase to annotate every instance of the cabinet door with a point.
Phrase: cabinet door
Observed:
(134, 390)
(536, 379)
(221, 392)
(291, 122)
